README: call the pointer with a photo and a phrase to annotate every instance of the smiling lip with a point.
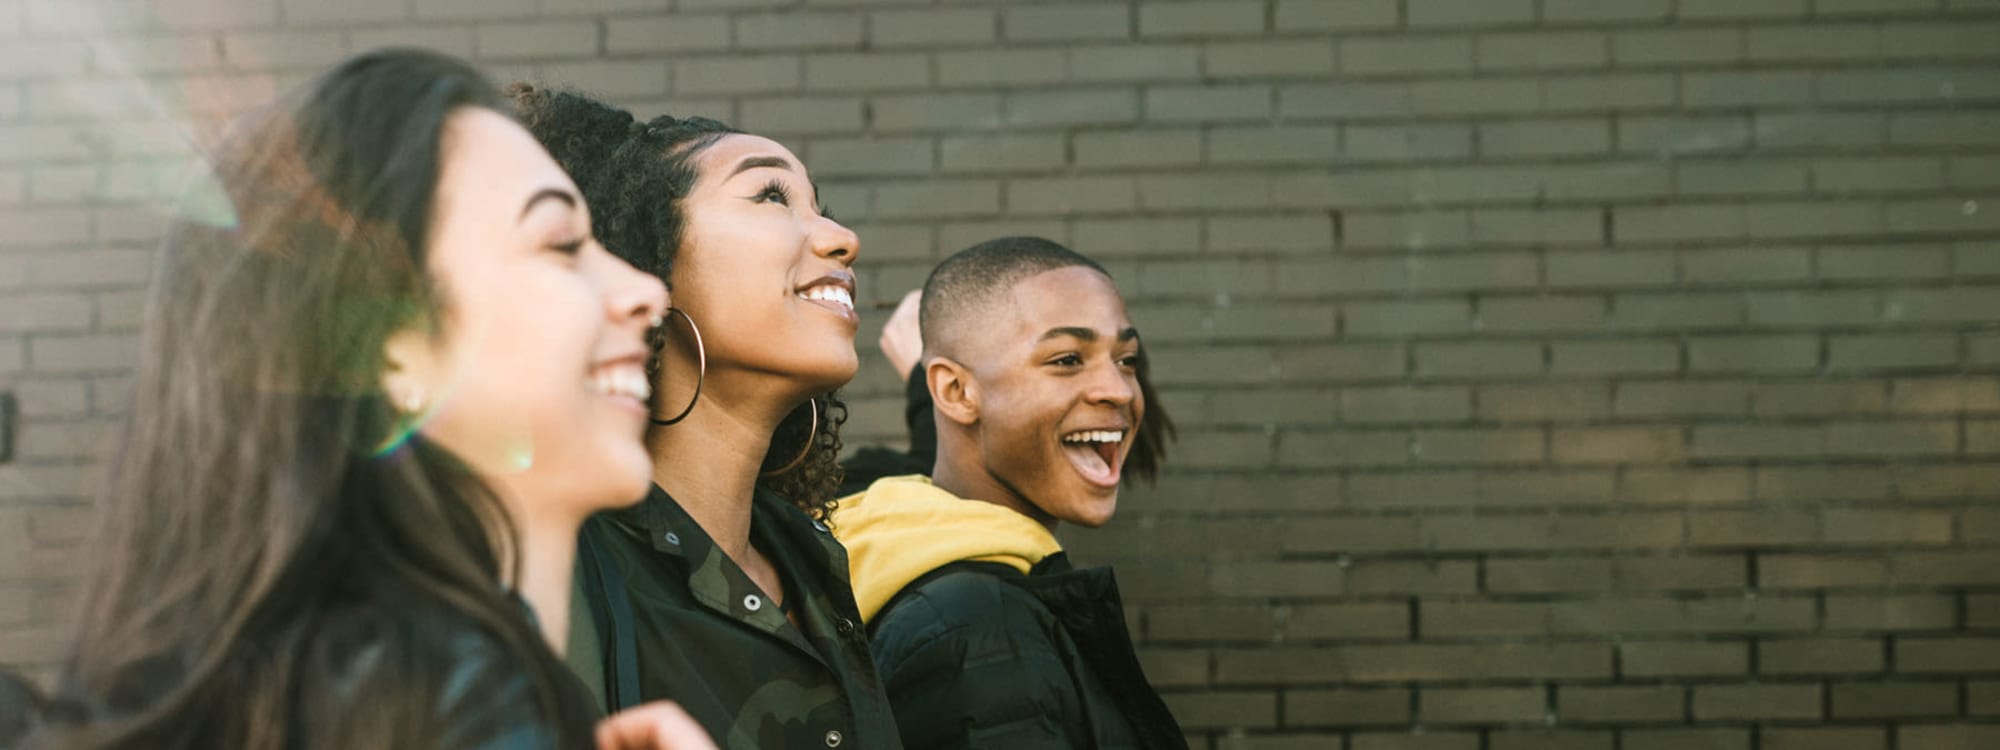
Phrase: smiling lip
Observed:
(1087, 466)
(833, 292)
(622, 380)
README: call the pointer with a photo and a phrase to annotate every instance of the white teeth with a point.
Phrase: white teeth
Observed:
(829, 293)
(1095, 436)
(623, 381)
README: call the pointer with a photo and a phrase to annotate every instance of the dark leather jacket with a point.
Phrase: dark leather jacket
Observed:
(977, 655)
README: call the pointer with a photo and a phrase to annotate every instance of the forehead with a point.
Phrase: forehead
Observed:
(1073, 297)
(488, 156)
(721, 157)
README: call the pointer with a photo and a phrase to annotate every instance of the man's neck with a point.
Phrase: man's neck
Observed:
(968, 478)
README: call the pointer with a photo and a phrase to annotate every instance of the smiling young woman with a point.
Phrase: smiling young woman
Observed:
(724, 590)
(356, 464)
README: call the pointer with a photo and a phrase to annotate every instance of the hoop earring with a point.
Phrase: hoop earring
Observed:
(701, 358)
(811, 436)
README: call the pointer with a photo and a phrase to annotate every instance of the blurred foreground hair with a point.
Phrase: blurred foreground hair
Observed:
(284, 563)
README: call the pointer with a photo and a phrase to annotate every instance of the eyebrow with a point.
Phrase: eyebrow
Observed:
(1086, 334)
(755, 162)
(543, 194)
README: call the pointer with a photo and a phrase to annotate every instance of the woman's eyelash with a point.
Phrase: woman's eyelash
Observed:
(783, 194)
(775, 189)
(570, 247)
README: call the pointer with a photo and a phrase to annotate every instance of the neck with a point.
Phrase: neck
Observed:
(960, 472)
(547, 558)
(710, 461)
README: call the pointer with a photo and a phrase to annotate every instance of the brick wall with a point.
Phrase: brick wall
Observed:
(1574, 374)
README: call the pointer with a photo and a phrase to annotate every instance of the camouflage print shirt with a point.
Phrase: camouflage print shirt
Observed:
(675, 619)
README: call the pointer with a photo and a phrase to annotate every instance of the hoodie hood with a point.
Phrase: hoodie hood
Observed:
(903, 527)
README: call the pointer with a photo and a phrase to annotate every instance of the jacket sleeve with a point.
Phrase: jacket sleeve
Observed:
(393, 694)
(964, 670)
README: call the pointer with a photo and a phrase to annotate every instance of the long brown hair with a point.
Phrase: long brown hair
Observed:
(285, 564)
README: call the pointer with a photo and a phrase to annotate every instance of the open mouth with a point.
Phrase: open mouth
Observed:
(1095, 454)
(622, 380)
(834, 292)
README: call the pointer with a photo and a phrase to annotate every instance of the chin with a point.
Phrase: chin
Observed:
(831, 373)
(635, 479)
(1093, 514)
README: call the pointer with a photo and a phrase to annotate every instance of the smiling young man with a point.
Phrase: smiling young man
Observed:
(984, 635)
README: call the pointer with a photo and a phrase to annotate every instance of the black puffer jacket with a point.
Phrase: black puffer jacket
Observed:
(977, 655)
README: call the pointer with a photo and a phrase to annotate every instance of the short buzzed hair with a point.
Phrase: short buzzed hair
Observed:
(962, 288)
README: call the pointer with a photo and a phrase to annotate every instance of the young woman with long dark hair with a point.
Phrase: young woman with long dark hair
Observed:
(723, 591)
(387, 373)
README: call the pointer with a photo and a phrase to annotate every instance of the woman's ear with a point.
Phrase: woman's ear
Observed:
(954, 391)
(407, 360)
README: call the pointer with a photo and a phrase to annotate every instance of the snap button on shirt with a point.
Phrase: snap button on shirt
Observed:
(753, 602)
(833, 738)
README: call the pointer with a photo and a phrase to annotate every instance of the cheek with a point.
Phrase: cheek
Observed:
(1019, 425)
(711, 283)
(535, 351)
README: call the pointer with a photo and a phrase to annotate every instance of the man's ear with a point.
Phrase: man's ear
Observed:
(954, 392)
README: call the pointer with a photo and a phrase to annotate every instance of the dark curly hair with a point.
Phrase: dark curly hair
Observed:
(635, 176)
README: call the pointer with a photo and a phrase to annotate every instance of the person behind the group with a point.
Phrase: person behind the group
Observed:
(723, 590)
(356, 460)
(985, 635)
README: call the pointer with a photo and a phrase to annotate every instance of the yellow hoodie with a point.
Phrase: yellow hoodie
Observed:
(903, 527)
